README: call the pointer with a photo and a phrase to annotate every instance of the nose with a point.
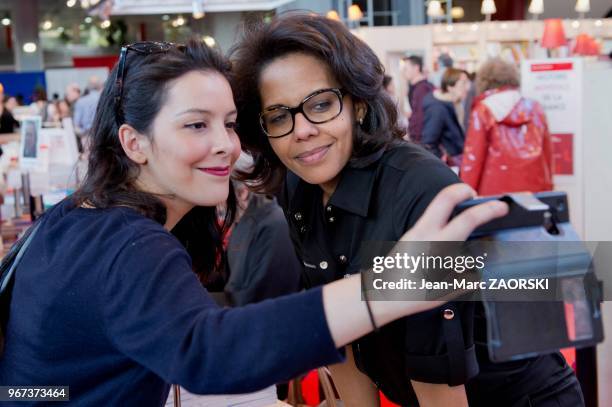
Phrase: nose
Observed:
(302, 128)
(225, 141)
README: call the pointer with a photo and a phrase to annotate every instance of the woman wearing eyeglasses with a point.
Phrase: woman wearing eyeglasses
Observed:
(104, 299)
(314, 114)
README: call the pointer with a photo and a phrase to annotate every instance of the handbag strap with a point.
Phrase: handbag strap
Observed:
(326, 384)
(176, 391)
(13, 258)
(7, 271)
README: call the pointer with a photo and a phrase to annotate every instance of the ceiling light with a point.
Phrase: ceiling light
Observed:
(29, 47)
(583, 6)
(536, 6)
(210, 41)
(198, 9)
(333, 15)
(434, 9)
(488, 7)
(457, 13)
(355, 13)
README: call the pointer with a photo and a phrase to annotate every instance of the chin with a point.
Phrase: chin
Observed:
(212, 198)
(318, 177)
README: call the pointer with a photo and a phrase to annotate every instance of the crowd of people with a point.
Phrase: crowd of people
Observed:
(125, 267)
(76, 104)
(497, 140)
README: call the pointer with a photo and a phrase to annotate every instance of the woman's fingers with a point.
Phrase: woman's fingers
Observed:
(439, 211)
(434, 225)
(461, 226)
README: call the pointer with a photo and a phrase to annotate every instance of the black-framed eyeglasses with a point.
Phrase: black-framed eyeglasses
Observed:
(319, 107)
(143, 48)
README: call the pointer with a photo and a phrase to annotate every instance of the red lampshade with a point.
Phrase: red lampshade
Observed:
(582, 44)
(554, 35)
(586, 45)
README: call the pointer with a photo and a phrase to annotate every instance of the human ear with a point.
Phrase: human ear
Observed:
(134, 144)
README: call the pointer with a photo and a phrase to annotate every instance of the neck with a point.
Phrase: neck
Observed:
(174, 212)
(446, 97)
(328, 189)
(417, 79)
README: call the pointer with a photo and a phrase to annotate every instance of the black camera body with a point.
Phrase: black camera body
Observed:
(551, 249)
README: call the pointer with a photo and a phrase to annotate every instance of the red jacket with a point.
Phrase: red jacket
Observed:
(508, 146)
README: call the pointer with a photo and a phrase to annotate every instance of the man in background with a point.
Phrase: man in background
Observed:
(418, 88)
(85, 109)
(7, 121)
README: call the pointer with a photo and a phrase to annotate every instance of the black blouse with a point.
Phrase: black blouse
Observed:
(380, 202)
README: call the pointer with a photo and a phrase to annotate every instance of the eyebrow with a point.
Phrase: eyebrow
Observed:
(196, 110)
(277, 105)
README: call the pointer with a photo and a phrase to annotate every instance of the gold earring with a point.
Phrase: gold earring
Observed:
(360, 121)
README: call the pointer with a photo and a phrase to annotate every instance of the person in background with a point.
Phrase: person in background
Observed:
(469, 101)
(442, 131)
(7, 121)
(418, 88)
(72, 93)
(41, 106)
(85, 107)
(508, 146)
(389, 87)
(10, 103)
(262, 261)
(445, 61)
(63, 109)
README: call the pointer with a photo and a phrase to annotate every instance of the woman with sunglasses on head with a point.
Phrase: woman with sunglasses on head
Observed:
(315, 116)
(105, 299)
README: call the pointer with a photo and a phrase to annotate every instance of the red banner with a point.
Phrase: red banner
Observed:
(95, 62)
(563, 153)
(564, 66)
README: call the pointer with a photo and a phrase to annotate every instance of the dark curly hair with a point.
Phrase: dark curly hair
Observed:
(111, 174)
(352, 63)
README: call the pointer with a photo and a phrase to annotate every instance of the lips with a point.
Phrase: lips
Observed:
(217, 171)
(313, 156)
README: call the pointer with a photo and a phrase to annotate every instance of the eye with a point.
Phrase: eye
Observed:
(278, 118)
(196, 125)
(321, 106)
(231, 125)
